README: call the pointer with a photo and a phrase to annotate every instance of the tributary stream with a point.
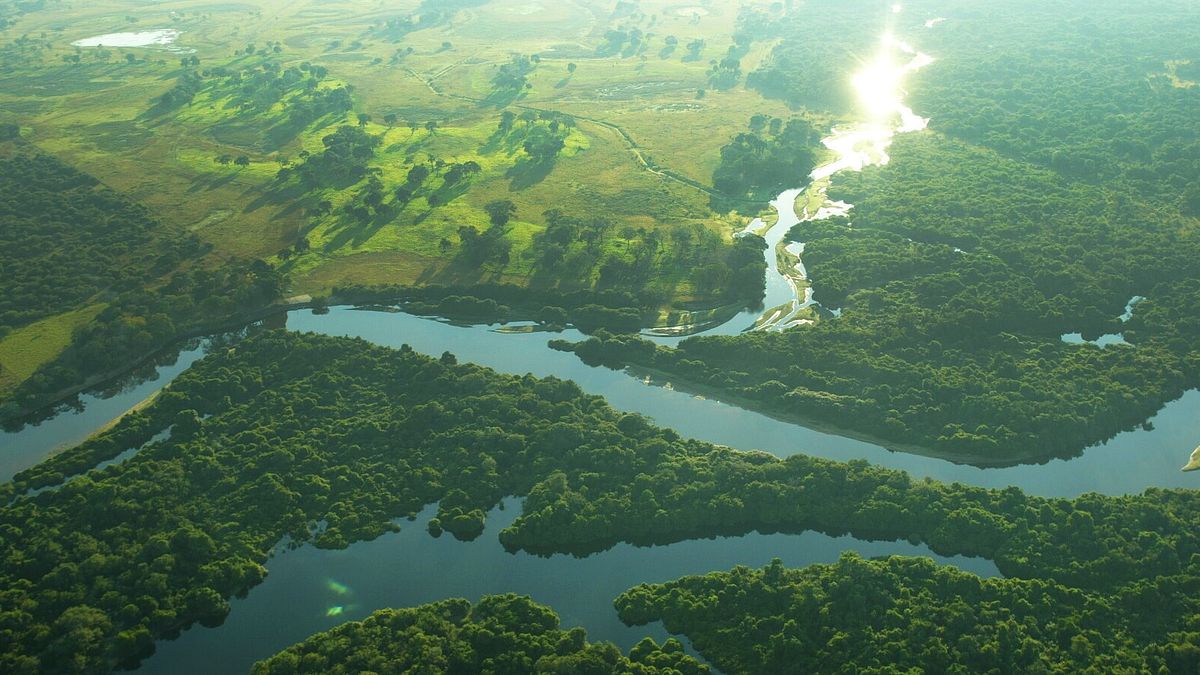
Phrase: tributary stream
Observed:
(309, 590)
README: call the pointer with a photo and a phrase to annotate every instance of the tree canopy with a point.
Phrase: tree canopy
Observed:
(499, 634)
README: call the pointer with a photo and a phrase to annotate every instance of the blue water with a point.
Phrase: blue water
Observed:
(1130, 463)
(311, 590)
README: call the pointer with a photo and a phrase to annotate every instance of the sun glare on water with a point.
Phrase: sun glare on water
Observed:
(879, 85)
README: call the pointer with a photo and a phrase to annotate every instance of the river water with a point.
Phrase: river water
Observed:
(309, 590)
(1129, 463)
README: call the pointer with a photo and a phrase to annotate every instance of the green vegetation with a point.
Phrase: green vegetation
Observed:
(86, 285)
(366, 152)
(66, 240)
(772, 157)
(500, 634)
(912, 615)
(267, 83)
(140, 322)
(953, 308)
(24, 350)
(454, 157)
(330, 440)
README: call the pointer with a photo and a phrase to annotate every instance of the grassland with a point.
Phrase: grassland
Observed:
(25, 349)
(643, 122)
(93, 114)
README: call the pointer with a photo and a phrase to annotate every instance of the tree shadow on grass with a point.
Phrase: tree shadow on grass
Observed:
(206, 184)
(460, 272)
(279, 194)
(529, 172)
(350, 231)
(501, 98)
(448, 193)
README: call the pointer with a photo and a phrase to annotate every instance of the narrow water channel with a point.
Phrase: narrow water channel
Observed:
(310, 590)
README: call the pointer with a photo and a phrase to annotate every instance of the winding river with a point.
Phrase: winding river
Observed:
(309, 590)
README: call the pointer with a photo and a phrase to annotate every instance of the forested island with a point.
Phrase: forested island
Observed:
(499, 634)
(330, 440)
(910, 614)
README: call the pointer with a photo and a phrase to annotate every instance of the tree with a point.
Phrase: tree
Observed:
(500, 211)
(242, 161)
(431, 126)
(363, 120)
(417, 175)
(571, 68)
(390, 120)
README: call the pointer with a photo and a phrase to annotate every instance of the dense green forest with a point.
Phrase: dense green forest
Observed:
(959, 351)
(141, 321)
(1091, 90)
(1081, 178)
(67, 240)
(500, 634)
(772, 156)
(913, 615)
(330, 440)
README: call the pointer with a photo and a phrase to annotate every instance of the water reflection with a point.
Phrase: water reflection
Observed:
(310, 590)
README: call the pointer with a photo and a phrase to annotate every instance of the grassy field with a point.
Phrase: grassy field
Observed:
(93, 114)
(27, 348)
(645, 132)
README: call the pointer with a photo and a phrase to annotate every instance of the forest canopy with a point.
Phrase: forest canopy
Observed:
(913, 615)
(331, 440)
(499, 634)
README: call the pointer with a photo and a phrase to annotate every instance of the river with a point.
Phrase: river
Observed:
(309, 590)
(1129, 463)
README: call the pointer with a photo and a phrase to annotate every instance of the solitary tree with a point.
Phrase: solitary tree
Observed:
(571, 68)
(390, 120)
(242, 160)
(363, 119)
(500, 211)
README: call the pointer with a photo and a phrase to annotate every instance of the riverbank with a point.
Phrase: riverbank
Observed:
(57, 398)
(699, 389)
(673, 323)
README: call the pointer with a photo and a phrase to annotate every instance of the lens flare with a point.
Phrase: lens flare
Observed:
(879, 85)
